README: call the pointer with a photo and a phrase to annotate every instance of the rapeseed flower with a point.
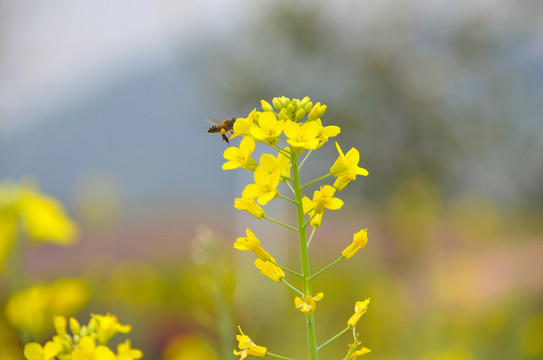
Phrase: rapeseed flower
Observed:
(240, 157)
(251, 243)
(250, 206)
(269, 269)
(359, 352)
(302, 137)
(280, 164)
(307, 303)
(309, 207)
(360, 239)
(108, 326)
(346, 168)
(125, 352)
(87, 350)
(265, 187)
(326, 132)
(324, 199)
(34, 351)
(360, 309)
(248, 347)
(243, 126)
(268, 129)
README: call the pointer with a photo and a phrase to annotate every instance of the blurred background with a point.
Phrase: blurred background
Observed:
(104, 103)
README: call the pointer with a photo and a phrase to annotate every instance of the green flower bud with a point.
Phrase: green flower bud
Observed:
(290, 108)
(276, 103)
(285, 101)
(300, 114)
(305, 101)
(266, 106)
(308, 107)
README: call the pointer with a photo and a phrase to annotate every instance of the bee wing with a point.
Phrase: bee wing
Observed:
(212, 120)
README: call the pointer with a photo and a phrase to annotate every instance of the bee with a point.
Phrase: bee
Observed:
(223, 127)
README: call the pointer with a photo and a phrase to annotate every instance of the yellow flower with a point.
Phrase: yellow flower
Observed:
(346, 168)
(307, 303)
(360, 239)
(251, 243)
(269, 269)
(326, 132)
(302, 137)
(268, 129)
(265, 187)
(240, 157)
(308, 204)
(88, 350)
(108, 326)
(359, 309)
(358, 353)
(32, 309)
(125, 352)
(248, 347)
(324, 199)
(280, 164)
(34, 351)
(250, 206)
(44, 219)
(316, 112)
(243, 126)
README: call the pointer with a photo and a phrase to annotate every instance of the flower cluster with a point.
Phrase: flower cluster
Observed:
(87, 342)
(293, 129)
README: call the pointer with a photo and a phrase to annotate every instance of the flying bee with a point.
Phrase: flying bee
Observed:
(223, 127)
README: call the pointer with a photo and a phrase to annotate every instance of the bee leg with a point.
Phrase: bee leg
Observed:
(225, 139)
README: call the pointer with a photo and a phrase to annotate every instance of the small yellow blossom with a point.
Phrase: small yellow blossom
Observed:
(316, 112)
(324, 199)
(108, 326)
(251, 243)
(250, 206)
(240, 157)
(302, 137)
(326, 132)
(266, 106)
(268, 129)
(269, 269)
(243, 126)
(34, 351)
(360, 239)
(125, 352)
(346, 168)
(280, 164)
(308, 205)
(248, 347)
(307, 303)
(88, 350)
(358, 353)
(265, 187)
(360, 309)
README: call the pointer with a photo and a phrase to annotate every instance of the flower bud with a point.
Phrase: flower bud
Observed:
(322, 110)
(266, 105)
(308, 107)
(314, 113)
(276, 103)
(283, 115)
(290, 108)
(74, 326)
(304, 101)
(300, 114)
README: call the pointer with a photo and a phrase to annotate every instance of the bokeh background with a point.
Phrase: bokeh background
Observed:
(104, 103)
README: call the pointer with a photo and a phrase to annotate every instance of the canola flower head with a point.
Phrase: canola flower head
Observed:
(360, 309)
(268, 129)
(360, 239)
(34, 351)
(243, 126)
(269, 269)
(240, 157)
(251, 243)
(250, 206)
(265, 187)
(307, 303)
(302, 137)
(248, 347)
(108, 326)
(346, 168)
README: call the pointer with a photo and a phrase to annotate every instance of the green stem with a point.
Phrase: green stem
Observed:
(286, 269)
(308, 221)
(306, 283)
(282, 151)
(305, 158)
(280, 223)
(334, 337)
(292, 287)
(316, 180)
(311, 236)
(278, 356)
(290, 187)
(286, 198)
(327, 267)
